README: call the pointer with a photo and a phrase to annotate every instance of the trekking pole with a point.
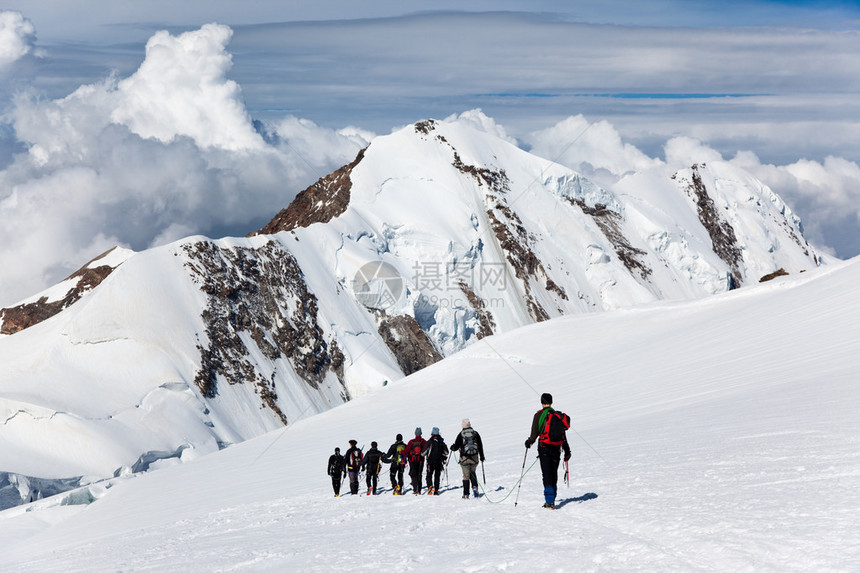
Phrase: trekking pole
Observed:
(567, 473)
(525, 455)
(483, 473)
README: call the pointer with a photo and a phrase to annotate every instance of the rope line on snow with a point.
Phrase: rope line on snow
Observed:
(526, 382)
(511, 366)
(513, 487)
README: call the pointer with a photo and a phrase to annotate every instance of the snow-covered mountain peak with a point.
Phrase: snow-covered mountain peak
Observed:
(434, 237)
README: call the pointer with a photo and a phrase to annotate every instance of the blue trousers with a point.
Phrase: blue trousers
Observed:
(549, 457)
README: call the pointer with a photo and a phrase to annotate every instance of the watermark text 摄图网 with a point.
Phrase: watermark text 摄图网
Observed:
(436, 275)
(378, 285)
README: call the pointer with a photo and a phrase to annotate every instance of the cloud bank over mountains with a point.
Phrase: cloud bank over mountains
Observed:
(165, 153)
(171, 149)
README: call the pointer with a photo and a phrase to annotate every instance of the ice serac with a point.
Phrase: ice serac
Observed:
(434, 237)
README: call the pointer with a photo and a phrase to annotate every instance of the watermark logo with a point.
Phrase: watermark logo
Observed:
(378, 285)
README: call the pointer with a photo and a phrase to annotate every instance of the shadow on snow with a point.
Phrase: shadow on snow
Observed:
(579, 499)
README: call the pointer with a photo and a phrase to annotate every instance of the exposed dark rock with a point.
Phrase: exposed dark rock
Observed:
(496, 180)
(17, 318)
(410, 345)
(261, 292)
(425, 127)
(320, 203)
(608, 221)
(511, 234)
(520, 256)
(23, 316)
(770, 276)
(485, 319)
(723, 239)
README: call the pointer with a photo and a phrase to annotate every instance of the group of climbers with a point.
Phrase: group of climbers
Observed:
(426, 458)
(548, 429)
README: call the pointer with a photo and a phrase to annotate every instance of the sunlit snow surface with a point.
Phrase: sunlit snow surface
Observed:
(716, 435)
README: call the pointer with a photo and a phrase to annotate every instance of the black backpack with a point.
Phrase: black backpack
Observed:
(372, 457)
(554, 427)
(470, 442)
(438, 452)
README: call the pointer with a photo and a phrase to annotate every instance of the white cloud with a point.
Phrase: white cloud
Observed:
(181, 89)
(63, 131)
(317, 145)
(595, 149)
(686, 151)
(477, 119)
(93, 178)
(825, 194)
(17, 37)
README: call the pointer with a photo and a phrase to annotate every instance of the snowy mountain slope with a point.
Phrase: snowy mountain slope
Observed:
(123, 366)
(749, 231)
(718, 434)
(432, 239)
(59, 297)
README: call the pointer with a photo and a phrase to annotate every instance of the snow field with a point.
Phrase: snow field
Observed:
(708, 436)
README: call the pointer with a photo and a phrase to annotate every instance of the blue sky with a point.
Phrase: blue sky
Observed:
(386, 63)
(76, 19)
(771, 84)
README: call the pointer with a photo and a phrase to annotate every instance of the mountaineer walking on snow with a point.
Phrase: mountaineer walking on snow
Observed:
(372, 462)
(335, 469)
(353, 465)
(436, 452)
(548, 429)
(471, 452)
(416, 462)
(396, 456)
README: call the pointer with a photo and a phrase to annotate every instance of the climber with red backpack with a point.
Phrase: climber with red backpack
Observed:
(548, 430)
(414, 449)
